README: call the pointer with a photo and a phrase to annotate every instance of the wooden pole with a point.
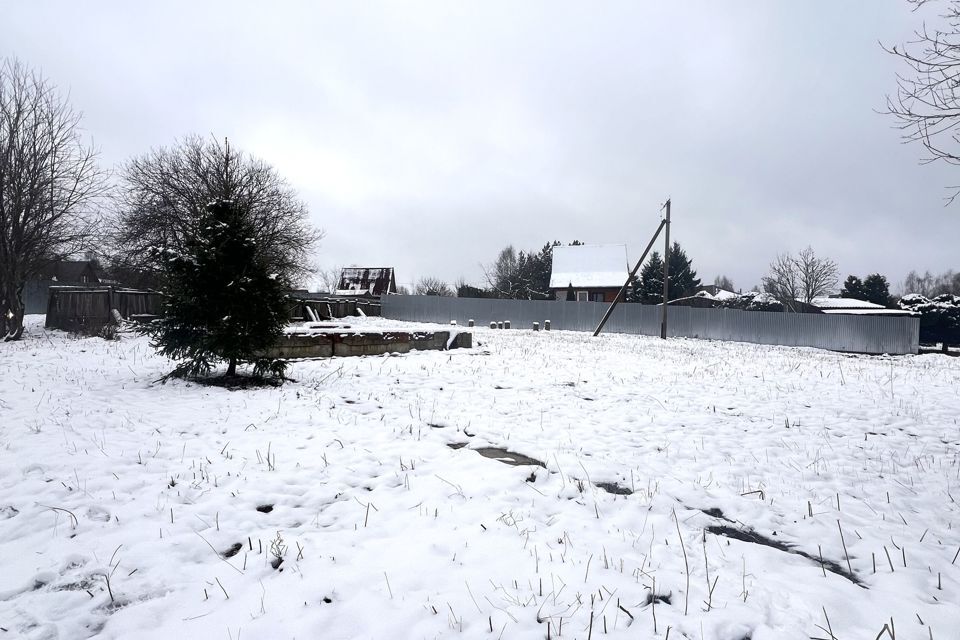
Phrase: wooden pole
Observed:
(623, 289)
(666, 274)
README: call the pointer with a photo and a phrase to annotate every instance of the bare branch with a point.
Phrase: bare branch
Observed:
(801, 278)
(926, 105)
(50, 185)
(429, 286)
(164, 193)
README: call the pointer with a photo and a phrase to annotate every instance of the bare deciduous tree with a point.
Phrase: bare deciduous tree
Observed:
(724, 283)
(927, 102)
(164, 193)
(49, 185)
(502, 275)
(930, 285)
(428, 286)
(521, 275)
(329, 279)
(800, 278)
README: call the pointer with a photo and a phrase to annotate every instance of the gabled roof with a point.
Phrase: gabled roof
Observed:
(358, 281)
(589, 265)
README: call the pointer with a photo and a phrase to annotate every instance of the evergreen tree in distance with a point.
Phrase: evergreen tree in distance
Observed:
(852, 288)
(221, 303)
(683, 278)
(649, 290)
(876, 289)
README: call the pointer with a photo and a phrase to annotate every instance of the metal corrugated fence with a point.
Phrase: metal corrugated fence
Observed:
(850, 333)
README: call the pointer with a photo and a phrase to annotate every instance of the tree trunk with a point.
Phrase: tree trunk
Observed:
(232, 367)
(3, 310)
(13, 315)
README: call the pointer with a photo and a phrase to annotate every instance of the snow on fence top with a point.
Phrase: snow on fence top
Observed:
(589, 265)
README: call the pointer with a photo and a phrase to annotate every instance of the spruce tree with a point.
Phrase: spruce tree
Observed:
(876, 289)
(683, 278)
(221, 303)
(650, 290)
(852, 288)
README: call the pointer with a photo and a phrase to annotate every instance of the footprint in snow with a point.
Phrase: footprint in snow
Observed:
(99, 514)
(8, 512)
(32, 470)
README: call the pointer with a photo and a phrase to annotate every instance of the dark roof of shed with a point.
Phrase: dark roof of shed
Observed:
(70, 271)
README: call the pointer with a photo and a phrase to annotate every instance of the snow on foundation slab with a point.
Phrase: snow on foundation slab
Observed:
(389, 532)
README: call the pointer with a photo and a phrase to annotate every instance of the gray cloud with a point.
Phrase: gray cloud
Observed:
(427, 136)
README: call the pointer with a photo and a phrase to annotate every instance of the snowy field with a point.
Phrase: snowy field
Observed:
(690, 490)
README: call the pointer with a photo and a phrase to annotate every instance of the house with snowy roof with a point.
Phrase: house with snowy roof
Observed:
(366, 281)
(596, 272)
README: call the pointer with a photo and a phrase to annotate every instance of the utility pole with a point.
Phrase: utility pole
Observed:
(623, 290)
(666, 273)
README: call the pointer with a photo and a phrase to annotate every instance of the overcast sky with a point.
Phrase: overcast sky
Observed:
(427, 136)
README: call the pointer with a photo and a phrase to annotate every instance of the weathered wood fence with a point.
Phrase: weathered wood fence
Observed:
(88, 310)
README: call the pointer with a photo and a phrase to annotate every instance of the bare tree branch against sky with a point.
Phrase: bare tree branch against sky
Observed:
(428, 136)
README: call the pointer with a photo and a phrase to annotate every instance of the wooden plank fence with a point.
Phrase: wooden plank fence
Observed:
(88, 310)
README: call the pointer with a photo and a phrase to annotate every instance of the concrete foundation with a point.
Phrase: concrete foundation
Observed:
(328, 343)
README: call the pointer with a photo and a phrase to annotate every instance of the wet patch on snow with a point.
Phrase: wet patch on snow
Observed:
(748, 535)
(615, 489)
(659, 598)
(508, 457)
(715, 512)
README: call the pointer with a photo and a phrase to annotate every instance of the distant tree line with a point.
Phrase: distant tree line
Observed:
(930, 285)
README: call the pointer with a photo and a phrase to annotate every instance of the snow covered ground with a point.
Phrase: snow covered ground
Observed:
(121, 499)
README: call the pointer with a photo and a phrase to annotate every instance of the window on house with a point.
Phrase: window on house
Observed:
(582, 296)
(596, 297)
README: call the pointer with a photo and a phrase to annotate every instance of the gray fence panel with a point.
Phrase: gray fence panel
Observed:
(850, 333)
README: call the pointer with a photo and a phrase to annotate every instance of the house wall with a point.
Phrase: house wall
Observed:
(608, 294)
